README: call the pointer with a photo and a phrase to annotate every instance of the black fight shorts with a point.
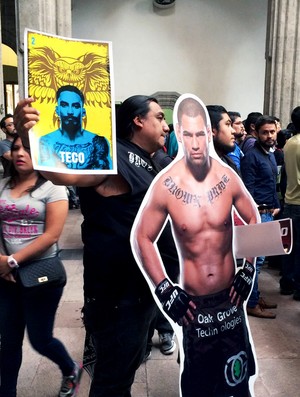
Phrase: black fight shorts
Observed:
(218, 358)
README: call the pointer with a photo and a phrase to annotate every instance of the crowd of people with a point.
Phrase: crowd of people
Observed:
(260, 180)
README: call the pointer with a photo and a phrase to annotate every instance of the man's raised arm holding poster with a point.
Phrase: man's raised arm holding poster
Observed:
(198, 193)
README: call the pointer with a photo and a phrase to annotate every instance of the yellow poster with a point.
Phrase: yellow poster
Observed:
(72, 84)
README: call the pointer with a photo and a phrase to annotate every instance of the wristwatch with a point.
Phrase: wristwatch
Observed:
(12, 262)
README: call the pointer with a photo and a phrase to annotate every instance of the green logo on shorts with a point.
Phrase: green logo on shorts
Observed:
(236, 369)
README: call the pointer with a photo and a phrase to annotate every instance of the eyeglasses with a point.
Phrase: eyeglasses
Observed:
(238, 123)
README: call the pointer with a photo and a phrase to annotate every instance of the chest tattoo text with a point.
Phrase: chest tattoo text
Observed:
(194, 199)
(180, 194)
(218, 189)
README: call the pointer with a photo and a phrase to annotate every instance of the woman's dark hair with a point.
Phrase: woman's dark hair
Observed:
(137, 105)
(12, 182)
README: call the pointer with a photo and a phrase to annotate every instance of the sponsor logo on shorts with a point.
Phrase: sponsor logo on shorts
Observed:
(235, 369)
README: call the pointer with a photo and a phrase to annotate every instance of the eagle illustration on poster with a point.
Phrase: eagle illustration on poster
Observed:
(197, 194)
(71, 81)
(49, 71)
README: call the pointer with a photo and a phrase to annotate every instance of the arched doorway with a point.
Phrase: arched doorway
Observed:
(10, 79)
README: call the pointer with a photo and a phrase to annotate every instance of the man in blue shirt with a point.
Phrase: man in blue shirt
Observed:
(239, 134)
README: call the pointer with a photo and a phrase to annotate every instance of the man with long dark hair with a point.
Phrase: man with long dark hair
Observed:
(118, 307)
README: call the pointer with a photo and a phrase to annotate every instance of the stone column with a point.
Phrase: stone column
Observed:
(282, 82)
(48, 16)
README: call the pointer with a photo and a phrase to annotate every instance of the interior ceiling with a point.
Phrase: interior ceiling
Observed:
(8, 23)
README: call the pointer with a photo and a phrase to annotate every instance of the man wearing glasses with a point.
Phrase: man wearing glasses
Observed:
(8, 127)
(239, 135)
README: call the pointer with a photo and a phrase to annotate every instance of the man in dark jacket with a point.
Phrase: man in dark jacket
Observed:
(259, 173)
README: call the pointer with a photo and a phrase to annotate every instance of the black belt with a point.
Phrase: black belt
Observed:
(212, 299)
(265, 208)
(269, 211)
(123, 302)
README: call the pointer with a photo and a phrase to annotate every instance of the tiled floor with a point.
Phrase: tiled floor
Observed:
(277, 342)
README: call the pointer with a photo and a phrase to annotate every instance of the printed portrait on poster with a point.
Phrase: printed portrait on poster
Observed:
(198, 194)
(72, 84)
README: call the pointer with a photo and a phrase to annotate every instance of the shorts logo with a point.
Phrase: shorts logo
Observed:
(236, 369)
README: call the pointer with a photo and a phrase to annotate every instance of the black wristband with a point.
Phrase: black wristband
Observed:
(249, 267)
(174, 299)
(162, 288)
(243, 280)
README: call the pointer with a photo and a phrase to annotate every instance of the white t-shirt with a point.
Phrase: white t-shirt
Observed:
(23, 219)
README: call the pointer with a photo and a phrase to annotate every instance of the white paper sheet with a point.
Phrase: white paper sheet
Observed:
(263, 239)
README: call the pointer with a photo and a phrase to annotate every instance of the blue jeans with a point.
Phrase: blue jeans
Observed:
(34, 309)
(291, 262)
(254, 296)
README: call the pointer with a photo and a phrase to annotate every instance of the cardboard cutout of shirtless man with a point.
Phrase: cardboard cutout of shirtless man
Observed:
(198, 192)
